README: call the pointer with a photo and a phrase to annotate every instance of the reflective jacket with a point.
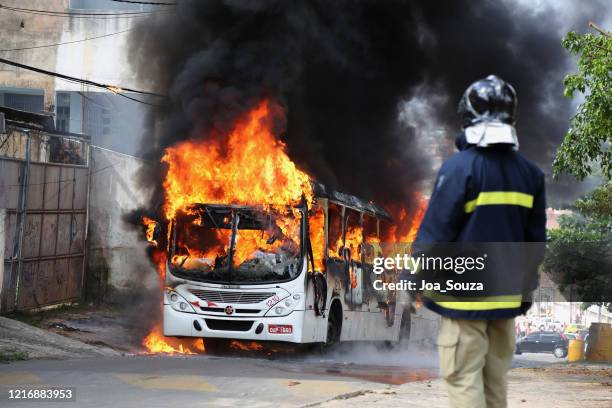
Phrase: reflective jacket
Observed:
(485, 195)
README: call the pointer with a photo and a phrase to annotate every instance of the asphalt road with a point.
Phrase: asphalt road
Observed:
(535, 360)
(225, 381)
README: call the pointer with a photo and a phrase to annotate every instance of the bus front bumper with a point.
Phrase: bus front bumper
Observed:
(215, 326)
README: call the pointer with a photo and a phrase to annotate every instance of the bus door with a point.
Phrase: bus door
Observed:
(352, 254)
(334, 261)
(370, 249)
(342, 272)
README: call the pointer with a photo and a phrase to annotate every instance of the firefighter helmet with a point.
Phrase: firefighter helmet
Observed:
(488, 100)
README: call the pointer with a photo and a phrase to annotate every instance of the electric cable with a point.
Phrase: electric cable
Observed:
(127, 14)
(112, 88)
(144, 2)
(67, 42)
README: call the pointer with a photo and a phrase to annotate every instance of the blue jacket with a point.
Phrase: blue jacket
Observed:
(484, 195)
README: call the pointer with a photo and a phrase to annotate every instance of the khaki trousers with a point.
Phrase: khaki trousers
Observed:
(475, 356)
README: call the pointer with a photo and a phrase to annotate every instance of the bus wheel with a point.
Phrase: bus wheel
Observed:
(217, 346)
(334, 324)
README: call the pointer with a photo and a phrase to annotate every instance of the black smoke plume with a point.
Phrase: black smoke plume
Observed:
(342, 71)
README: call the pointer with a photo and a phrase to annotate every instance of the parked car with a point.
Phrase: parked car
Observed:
(543, 342)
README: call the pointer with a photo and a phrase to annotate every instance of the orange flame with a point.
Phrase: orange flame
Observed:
(150, 225)
(405, 226)
(246, 346)
(317, 238)
(156, 342)
(251, 167)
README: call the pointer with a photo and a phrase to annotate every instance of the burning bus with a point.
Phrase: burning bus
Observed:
(299, 274)
(252, 249)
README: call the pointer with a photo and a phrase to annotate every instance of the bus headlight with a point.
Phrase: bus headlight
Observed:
(177, 302)
(285, 306)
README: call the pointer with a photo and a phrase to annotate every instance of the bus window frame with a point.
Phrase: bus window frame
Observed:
(342, 208)
(375, 218)
(345, 220)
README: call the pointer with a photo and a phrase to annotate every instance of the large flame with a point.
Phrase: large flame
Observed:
(406, 225)
(249, 167)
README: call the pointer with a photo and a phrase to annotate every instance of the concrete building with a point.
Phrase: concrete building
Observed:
(111, 120)
(114, 125)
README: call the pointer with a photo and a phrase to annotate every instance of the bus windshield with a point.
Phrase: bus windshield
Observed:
(233, 245)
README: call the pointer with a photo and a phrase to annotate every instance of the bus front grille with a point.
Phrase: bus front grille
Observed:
(229, 325)
(222, 310)
(231, 297)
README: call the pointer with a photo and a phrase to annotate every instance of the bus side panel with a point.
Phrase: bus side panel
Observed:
(370, 326)
(314, 328)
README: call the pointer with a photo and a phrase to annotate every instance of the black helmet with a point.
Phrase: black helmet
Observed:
(488, 99)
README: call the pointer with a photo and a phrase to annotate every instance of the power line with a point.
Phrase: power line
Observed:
(112, 88)
(115, 92)
(128, 14)
(67, 42)
(144, 2)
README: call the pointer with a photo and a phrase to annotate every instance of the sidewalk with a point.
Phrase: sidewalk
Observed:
(555, 386)
(21, 341)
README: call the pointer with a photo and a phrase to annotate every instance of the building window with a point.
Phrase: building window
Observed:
(63, 111)
(25, 102)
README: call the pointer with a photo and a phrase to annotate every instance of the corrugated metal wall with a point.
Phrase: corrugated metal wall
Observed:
(44, 182)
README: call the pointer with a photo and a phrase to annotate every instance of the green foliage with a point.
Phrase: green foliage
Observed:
(598, 204)
(580, 251)
(588, 140)
(12, 354)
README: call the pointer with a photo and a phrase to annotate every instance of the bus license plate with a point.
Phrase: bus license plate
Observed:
(280, 329)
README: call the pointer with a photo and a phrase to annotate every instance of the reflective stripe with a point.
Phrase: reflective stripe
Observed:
(475, 303)
(480, 305)
(500, 198)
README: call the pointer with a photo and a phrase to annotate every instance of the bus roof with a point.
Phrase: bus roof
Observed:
(322, 191)
(350, 201)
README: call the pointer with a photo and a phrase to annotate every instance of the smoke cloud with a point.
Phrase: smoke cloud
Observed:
(343, 71)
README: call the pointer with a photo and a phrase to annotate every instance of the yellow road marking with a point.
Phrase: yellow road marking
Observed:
(168, 382)
(19, 378)
(308, 388)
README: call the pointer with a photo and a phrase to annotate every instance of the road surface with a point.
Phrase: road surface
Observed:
(225, 381)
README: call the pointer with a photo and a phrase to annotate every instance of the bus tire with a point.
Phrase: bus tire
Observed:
(334, 324)
(217, 346)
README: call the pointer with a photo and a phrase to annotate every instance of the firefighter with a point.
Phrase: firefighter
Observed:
(485, 193)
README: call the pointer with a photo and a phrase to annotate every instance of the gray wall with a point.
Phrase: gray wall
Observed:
(116, 251)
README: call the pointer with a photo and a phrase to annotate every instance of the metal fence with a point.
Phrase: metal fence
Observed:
(44, 192)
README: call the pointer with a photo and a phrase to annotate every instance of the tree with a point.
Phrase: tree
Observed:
(580, 251)
(589, 138)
